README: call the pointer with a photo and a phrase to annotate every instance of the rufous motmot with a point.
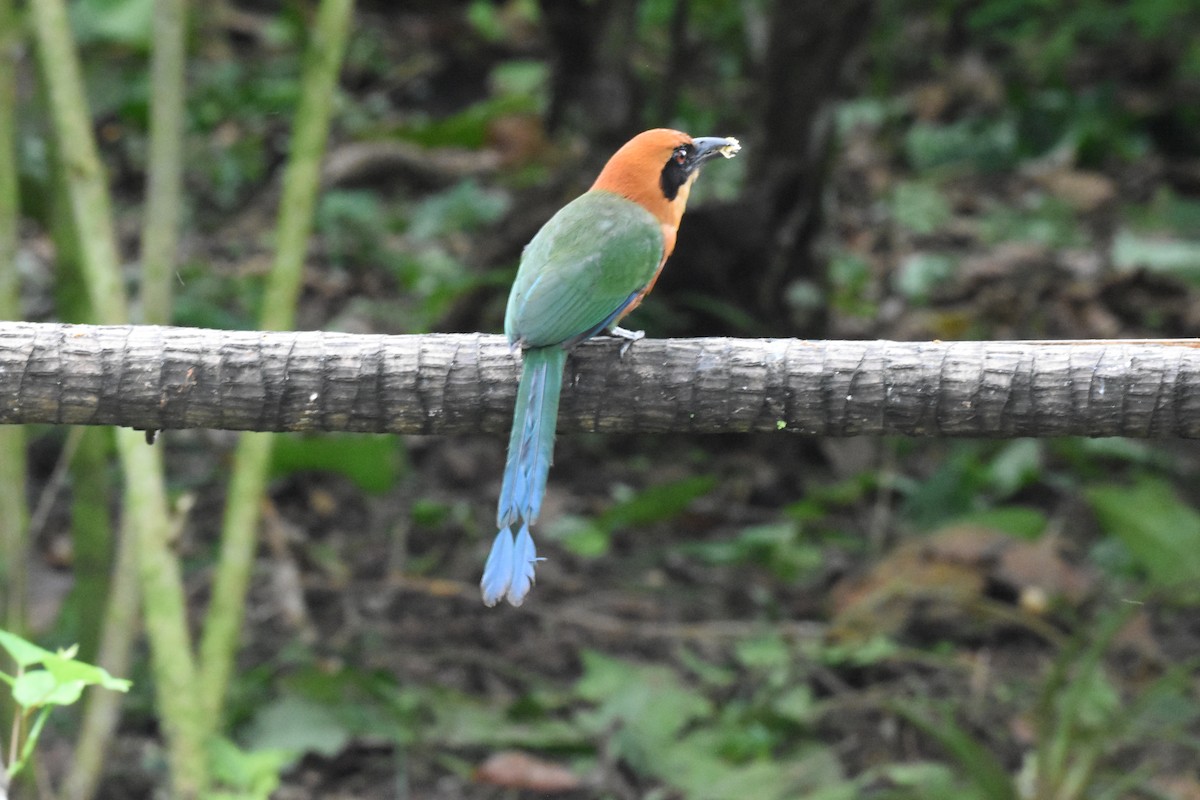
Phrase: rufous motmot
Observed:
(588, 266)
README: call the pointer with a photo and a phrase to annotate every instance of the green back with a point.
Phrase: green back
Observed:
(581, 268)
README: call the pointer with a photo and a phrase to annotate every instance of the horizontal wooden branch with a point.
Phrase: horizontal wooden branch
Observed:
(164, 378)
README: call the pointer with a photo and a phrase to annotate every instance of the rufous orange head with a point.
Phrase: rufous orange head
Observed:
(656, 168)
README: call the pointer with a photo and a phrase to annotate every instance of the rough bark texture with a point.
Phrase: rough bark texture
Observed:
(164, 378)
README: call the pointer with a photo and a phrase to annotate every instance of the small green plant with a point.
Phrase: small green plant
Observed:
(852, 285)
(754, 744)
(973, 477)
(1158, 531)
(1081, 721)
(591, 538)
(60, 681)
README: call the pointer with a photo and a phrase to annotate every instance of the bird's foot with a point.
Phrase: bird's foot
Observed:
(629, 336)
(509, 570)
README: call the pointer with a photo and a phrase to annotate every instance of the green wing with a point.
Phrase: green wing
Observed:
(581, 268)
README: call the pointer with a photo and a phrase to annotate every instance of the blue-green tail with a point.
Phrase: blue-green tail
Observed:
(509, 570)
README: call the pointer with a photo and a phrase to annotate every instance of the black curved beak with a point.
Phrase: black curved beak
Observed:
(708, 146)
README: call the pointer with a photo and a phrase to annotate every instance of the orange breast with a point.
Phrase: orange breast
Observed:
(635, 172)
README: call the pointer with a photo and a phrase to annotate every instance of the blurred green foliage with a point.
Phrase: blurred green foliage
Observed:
(121, 22)
(42, 680)
(919, 207)
(211, 300)
(1181, 258)
(1042, 219)
(1160, 532)
(922, 273)
(793, 547)
(245, 774)
(850, 285)
(372, 462)
(463, 209)
(983, 145)
(1081, 722)
(592, 538)
(666, 727)
(1050, 33)
(746, 722)
(1036, 47)
(971, 477)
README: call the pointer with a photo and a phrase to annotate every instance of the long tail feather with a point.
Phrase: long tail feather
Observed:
(509, 570)
(497, 575)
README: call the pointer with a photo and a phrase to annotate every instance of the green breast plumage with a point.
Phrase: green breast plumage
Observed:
(582, 267)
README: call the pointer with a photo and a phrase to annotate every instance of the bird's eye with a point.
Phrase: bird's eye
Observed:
(681, 155)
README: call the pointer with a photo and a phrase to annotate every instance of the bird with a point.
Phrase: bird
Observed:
(590, 265)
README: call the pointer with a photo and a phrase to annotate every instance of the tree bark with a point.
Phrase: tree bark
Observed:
(163, 378)
(593, 87)
(810, 46)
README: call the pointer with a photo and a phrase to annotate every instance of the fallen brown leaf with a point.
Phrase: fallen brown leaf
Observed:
(517, 770)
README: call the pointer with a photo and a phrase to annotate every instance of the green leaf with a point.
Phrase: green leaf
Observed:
(921, 273)
(927, 780)
(1160, 531)
(920, 207)
(851, 284)
(40, 688)
(1158, 254)
(778, 546)
(253, 774)
(872, 651)
(768, 652)
(648, 704)
(461, 721)
(954, 489)
(1167, 213)
(657, 503)
(1092, 702)
(1044, 220)
(797, 704)
(984, 770)
(522, 77)
(484, 17)
(63, 680)
(708, 673)
(124, 22)
(297, 726)
(580, 535)
(1022, 521)
(692, 765)
(703, 778)
(26, 654)
(68, 669)
(1018, 464)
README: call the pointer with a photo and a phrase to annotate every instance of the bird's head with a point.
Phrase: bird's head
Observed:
(656, 168)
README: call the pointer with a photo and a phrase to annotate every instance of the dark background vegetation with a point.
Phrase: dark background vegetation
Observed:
(719, 617)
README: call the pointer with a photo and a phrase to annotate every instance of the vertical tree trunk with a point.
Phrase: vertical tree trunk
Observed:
(733, 263)
(811, 45)
(593, 86)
